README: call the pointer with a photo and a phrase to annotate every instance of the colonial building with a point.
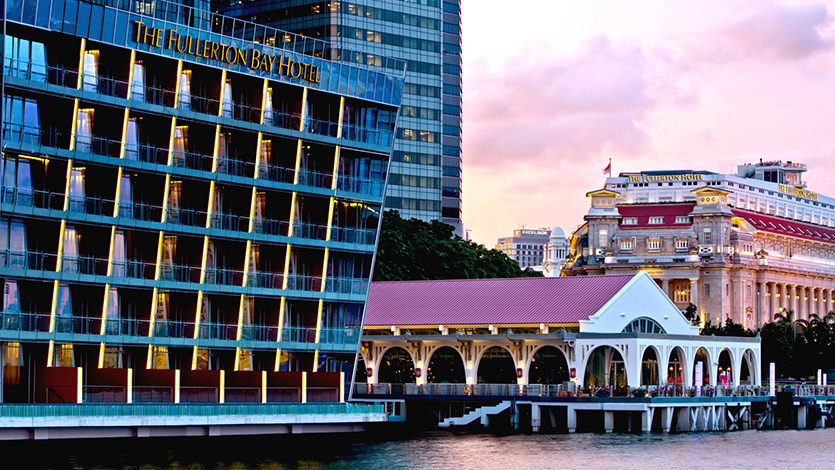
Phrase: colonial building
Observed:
(739, 246)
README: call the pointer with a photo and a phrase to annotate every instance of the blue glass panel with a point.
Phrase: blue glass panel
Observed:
(333, 84)
(378, 87)
(14, 8)
(96, 15)
(388, 89)
(70, 12)
(361, 79)
(107, 25)
(122, 30)
(43, 14)
(82, 22)
(397, 94)
(29, 8)
(344, 73)
(370, 85)
(352, 81)
(57, 15)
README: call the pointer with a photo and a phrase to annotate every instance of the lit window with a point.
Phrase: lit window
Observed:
(602, 237)
(630, 221)
(654, 244)
(656, 220)
(682, 243)
(682, 219)
(626, 245)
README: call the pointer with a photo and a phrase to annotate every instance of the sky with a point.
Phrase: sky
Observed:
(555, 88)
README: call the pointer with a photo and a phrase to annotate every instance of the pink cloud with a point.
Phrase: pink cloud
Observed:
(767, 31)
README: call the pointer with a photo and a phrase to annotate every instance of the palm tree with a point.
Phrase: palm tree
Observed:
(784, 315)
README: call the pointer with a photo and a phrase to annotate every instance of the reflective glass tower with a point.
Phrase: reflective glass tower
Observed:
(425, 180)
(189, 205)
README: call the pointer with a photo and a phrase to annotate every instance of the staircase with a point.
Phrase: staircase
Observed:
(479, 413)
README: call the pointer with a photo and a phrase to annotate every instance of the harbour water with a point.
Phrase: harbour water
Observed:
(747, 449)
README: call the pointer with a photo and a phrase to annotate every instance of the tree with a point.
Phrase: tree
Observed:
(417, 250)
(691, 313)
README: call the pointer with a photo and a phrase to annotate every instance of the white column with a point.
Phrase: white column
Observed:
(694, 291)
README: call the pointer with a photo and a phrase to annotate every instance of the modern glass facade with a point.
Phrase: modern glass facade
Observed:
(190, 205)
(426, 176)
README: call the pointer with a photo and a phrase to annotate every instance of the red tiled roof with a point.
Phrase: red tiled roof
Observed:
(644, 212)
(490, 301)
(779, 225)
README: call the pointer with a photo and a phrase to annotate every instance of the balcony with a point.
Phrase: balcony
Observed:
(66, 77)
(149, 153)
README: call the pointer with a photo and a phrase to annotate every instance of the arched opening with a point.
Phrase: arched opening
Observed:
(548, 367)
(747, 369)
(446, 367)
(649, 367)
(675, 367)
(396, 367)
(605, 367)
(703, 359)
(360, 376)
(496, 367)
(724, 371)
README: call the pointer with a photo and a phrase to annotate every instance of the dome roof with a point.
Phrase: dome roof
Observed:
(557, 233)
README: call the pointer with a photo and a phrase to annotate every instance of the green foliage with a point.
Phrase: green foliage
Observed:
(799, 347)
(415, 250)
(728, 329)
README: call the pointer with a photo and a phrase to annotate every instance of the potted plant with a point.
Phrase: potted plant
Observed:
(639, 392)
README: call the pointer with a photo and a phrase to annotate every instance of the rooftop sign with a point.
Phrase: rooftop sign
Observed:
(642, 178)
(252, 58)
(791, 190)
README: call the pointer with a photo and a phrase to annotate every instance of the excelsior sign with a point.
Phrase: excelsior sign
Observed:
(252, 58)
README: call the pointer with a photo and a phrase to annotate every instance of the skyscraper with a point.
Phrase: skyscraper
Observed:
(425, 179)
(184, 218)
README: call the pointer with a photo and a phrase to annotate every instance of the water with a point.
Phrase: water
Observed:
(748, 449)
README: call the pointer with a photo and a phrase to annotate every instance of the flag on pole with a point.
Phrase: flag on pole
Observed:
(608, 170)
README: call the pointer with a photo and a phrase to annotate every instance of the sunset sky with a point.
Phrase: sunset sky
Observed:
(554, 88)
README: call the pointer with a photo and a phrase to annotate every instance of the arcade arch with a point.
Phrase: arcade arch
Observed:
(605, 367)
(446, 366)
(548, 367)
(649, 367)
(496, 366)
(724, 368)
(396, 366)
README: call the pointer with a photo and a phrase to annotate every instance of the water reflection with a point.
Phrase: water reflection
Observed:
(749, 449)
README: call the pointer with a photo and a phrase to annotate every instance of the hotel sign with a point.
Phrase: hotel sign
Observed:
(535, 232)
(642, 178)
(251, 58)
(791, 190)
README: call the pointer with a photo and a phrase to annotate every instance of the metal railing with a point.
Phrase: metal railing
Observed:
(364, 186)
(188, 159)
(24, 321)
(560, 391)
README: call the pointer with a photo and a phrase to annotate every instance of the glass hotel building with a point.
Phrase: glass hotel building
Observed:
(425, 179)
(190, 205)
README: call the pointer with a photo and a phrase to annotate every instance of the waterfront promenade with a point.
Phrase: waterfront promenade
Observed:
(566, 409)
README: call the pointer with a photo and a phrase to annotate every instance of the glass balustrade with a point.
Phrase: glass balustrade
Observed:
(109, 86)
(150, 153)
